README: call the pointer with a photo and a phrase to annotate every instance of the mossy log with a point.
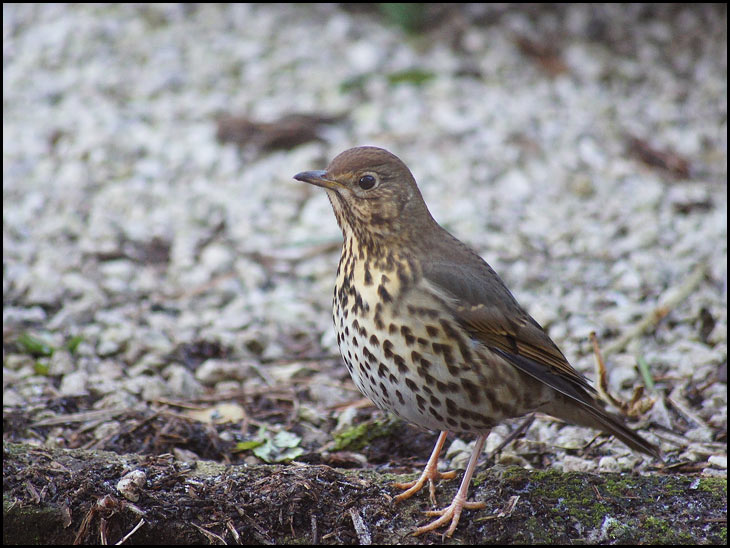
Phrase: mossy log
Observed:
(57, 496)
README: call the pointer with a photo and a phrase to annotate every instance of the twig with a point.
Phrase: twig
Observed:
(638, 404)
(209, 534)
(524, 425)
(232, 529)
(683, 407)
(313, 520)
(668, 301)
(84, 416)
(510, 507)
(602, 381)
(133, 531)
(363, 535)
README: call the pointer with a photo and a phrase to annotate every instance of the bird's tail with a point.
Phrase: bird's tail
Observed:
(591, 415)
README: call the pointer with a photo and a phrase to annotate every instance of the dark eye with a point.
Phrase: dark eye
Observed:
(366, 182)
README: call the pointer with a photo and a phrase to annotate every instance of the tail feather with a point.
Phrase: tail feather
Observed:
(587, 414)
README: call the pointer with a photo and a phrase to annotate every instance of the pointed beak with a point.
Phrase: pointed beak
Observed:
(318, 178)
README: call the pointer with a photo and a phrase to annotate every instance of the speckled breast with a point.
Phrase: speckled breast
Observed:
(405, 353)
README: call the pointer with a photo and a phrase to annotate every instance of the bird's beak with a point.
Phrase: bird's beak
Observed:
(318, 178)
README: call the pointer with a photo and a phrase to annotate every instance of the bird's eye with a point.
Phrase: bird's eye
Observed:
(366, 182)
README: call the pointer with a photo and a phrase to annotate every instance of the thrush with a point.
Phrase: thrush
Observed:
(430, 332)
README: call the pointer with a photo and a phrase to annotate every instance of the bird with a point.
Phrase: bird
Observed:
(430, 332)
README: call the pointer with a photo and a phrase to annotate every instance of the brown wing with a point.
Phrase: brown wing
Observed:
(484, 306)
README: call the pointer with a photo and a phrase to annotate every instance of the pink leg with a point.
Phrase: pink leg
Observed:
(453, 511)
(429, 473)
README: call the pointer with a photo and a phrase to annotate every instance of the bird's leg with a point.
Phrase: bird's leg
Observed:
(430, 473)
(453, 511)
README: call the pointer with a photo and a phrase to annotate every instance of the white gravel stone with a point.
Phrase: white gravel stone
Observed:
(180, 382)
(213, 371)
(577, 464)
(74, 384)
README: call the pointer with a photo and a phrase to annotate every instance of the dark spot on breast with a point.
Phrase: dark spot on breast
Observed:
(369, 356)
(388, 349)
(378, 319)
(472, 390)
(407, 335)
(435, 414)
(453, 334)
(451, 406)
(465, 350)
(412, 385)
(432, 330)
(403, 275)
(428, 312)
(378, 322)
(384, 295)
(443, 349)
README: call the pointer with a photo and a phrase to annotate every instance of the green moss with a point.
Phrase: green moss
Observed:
(713, 485)
(35, 346)
(359, 436)
(659, 530)
(413, 76)
(617, 531)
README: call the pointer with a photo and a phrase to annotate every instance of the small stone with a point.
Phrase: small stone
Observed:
(131, 484)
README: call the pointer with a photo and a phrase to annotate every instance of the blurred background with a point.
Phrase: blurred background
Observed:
(163, 274)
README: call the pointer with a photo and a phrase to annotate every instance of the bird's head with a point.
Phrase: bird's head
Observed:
(373, 194)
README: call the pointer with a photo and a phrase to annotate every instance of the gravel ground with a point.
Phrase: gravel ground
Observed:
(582, 150)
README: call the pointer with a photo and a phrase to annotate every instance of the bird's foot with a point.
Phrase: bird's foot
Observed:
(451, 514)
(429, 474)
